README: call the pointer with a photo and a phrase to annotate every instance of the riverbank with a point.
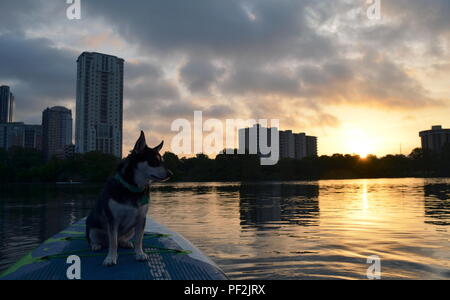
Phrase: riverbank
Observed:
(21, 165)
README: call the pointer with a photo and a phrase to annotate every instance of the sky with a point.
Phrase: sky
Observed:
(362, 85)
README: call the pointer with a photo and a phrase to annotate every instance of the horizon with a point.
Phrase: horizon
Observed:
(361, 86)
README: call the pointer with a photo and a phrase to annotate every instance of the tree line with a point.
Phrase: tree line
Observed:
(25, 165)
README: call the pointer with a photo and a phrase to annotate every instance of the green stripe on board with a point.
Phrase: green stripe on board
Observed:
(29, 259)
(73, 232)
(24, 261)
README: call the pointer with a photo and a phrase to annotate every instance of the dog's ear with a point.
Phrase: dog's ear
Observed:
(159, 147)
(140, 144)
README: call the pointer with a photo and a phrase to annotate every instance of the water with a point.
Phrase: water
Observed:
(285, 230)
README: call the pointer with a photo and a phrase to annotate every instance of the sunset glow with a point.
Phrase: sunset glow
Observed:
(359, 143)
(367, 90)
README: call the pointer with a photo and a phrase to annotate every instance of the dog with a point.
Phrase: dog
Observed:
(120, 212)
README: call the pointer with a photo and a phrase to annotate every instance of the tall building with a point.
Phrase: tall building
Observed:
(305, 146)
(56, 131)
(435, 139)
(291, 145)
(20, 135)
(6, 105)
(250, 139)
(311, 146)
(287, 144)
(99, 106)
(300, 145)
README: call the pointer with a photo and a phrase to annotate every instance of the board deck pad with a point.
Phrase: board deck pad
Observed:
(171, 257)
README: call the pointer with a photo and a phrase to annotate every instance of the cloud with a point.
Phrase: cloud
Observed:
(16, 15)
(423, 17)
(372, 80)
(213, 27)
(290, 59)
(251, 80)
(199, 75)
(40, 74)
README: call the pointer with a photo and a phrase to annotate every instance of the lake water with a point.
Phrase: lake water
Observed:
(286, 230)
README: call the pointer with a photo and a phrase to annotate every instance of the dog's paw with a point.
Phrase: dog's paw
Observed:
(141, 256)
(126, 245)
(110, 261)
(96, 247)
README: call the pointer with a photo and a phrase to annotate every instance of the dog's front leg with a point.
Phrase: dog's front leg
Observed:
(111, 259)
(140, 227)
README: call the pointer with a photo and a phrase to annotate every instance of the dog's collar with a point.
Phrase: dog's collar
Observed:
(134, 189)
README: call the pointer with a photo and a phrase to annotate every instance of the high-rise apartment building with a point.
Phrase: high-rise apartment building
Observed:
(99, 106)
(56, 131)
(287, 144)
(300, 145)
(435, 139)
(311, 146)
(250, 139)
(6, 105)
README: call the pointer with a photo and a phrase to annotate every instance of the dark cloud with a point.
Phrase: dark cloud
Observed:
(199, 75)
(229, 29)
(20, 16)
(42, 75)
(15, 14)
(136, 71)
(407, 23)
(176, 110)
(248, 80)
(422, 17)
(261, 52)
(147, 89)
(220, 111)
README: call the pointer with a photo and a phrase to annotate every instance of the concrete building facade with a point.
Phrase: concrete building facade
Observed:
(300, 145)
(291, 145)
(99, 105)
(57, 131)
(435, 139)
(311, 146)
(250, 139)
(20, 135)
(287, 144)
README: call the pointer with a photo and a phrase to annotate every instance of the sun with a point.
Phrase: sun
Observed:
(362, 151)
(359, 143)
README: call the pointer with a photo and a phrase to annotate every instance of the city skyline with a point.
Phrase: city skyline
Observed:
(368, 89)
(290, 145)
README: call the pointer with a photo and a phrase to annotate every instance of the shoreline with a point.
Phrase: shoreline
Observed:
(87, 184)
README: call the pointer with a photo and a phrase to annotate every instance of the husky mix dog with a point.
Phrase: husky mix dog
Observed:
(120, 211)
